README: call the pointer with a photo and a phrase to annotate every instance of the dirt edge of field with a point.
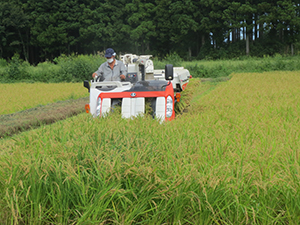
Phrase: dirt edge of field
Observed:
(11, 124)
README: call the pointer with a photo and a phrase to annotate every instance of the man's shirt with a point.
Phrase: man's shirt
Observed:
(107, 74)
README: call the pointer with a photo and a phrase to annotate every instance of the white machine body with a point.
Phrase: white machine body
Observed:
(142, 81)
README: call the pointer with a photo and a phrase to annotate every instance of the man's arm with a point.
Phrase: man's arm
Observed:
(98, 73)
(123, 71)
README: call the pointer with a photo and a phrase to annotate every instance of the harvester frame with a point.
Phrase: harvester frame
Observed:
(163, 88)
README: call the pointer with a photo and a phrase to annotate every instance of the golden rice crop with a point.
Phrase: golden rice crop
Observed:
(19, 96)
(252, 127)
(232, 159)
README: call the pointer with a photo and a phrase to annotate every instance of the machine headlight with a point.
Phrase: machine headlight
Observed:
(98, 107)
(169, 108)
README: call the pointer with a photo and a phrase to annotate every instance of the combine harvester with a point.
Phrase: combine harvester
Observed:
(161, 87)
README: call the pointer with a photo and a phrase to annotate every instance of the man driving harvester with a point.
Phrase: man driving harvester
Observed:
(112, 69)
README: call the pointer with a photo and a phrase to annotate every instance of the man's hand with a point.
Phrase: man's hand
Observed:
(122, 77)
(95, 75)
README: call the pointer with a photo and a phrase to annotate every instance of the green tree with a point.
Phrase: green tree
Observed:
(92, 26)
(13, 25)
(114, 35)
(46, 29)
(141, 26)
(248, 10)
(185, 25)
(54, 26)
(161, 44)
(282, 22)
(213, 23)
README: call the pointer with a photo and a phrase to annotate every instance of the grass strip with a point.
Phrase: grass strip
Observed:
(31, 118)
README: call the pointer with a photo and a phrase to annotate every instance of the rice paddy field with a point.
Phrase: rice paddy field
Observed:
(20, 96)
(232, 158)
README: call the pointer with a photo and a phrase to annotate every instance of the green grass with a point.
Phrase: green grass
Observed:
(232, 159)
(73, 68)
(223, 68)
(76, 68)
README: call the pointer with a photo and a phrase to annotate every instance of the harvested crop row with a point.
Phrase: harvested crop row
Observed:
(32, 118)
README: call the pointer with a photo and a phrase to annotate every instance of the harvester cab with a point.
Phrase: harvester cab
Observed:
(143, 84)
(139, 68)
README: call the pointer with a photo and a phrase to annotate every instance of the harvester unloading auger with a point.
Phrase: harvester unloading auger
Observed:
(161, 87)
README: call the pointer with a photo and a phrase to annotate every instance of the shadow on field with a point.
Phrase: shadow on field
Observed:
(32, 118)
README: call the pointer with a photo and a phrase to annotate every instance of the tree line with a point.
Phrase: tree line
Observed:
(203, 29)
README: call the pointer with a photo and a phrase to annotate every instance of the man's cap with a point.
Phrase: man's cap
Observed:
(109, 53)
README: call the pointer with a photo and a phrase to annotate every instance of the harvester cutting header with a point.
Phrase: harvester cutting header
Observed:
(162, 88)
